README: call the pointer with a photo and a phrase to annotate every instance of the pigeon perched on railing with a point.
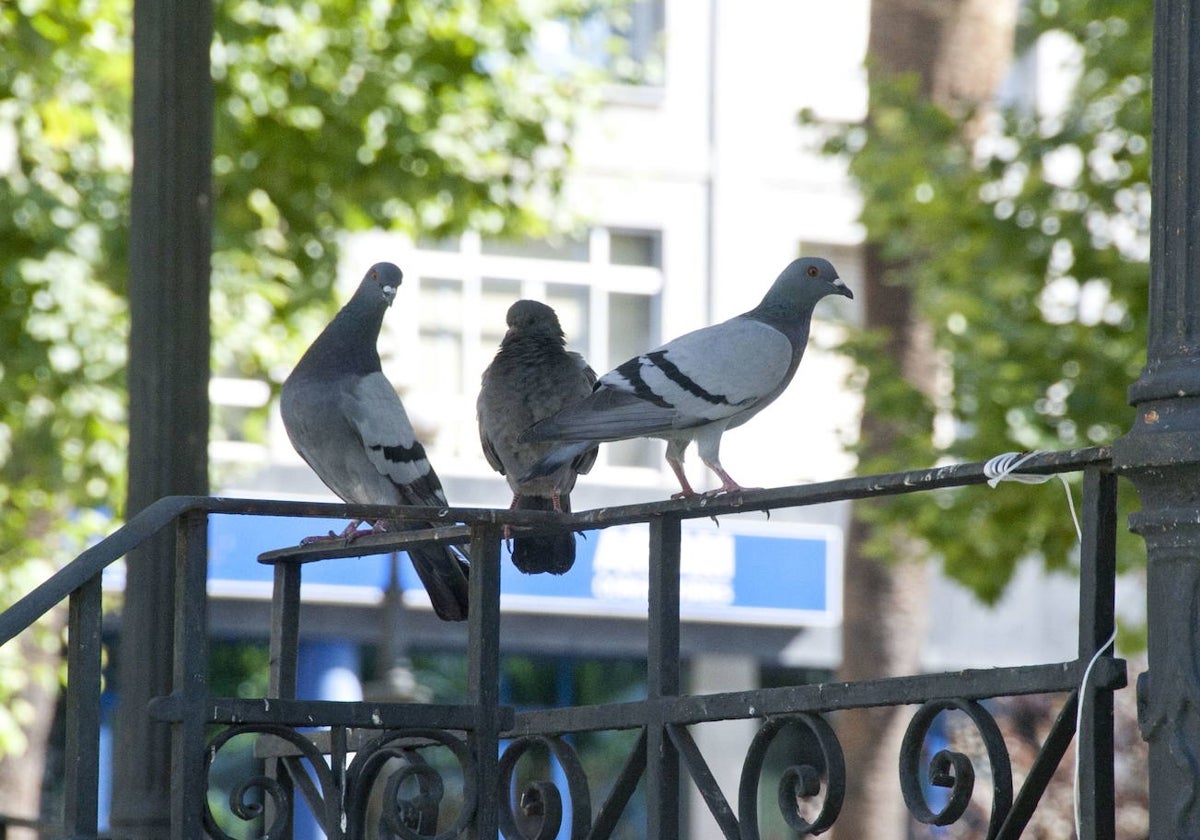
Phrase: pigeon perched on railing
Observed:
(533, 376)
(346, 420)
(700, 384)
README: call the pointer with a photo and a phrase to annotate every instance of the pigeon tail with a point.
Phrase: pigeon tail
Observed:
(552, 552)
(556, 460)
(444, 575)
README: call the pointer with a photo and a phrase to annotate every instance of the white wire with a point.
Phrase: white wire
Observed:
(1079, 720)
(1002, 468)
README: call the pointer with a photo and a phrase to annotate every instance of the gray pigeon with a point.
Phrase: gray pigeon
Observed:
(532, 377)
(700, 384)
(346, 421)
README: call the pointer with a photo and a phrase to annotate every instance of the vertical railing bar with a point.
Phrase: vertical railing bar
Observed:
(283, 654)
(285, 631)
(188, 785)
(483, 674)
(1097, 604)
(336, 819)
(662, 678)
(1041, 772)
(82, 714)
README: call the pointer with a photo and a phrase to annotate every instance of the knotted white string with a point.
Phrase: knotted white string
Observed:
(1002, 468)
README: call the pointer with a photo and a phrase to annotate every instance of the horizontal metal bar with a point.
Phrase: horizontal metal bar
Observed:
(234, 711)
(803, 495)
(800, 495)
(155, 516)
(978, 684)
(383, 542)
(272, 746)
(629, 715)
(898, 691)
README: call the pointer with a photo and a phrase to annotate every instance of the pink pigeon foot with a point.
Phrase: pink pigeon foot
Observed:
(350, 533)
(687, 492)
(728, 485)
(508, 528)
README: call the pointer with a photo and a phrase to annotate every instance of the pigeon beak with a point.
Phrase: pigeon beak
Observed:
(389, 294)
(842, 289)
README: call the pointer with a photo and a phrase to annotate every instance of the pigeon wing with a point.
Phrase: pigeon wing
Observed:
(372, 406)
(702, 377)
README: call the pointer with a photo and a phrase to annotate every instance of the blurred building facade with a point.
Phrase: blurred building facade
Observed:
(694, 184)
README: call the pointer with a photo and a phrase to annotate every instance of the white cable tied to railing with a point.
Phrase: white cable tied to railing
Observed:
(1003, 468)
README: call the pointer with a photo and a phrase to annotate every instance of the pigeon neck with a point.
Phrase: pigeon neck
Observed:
(792, 321)
(534, 344)
(351, 338)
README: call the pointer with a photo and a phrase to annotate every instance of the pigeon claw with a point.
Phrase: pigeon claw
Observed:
(320, 538)
(353, 532)
(350, 533)
(724, 490)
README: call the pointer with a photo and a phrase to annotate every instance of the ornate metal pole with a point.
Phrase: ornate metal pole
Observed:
(1161, 453)
(169, 246)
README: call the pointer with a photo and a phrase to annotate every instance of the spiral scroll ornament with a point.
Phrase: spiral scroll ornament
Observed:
(542, 800)
(413, 789)
(954, 770)
(800, 780)
(277, 797)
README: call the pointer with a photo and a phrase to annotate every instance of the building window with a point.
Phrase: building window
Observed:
(625, 43)
(605, 287)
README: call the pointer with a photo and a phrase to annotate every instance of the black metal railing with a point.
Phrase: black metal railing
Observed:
(339, 758)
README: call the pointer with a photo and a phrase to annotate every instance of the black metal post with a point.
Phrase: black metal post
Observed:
(662, 678)
(283, 654)
(483, 676)
(82, 747)
(1097, 620)
(170, 245)
(1161, 453)
(190, 677)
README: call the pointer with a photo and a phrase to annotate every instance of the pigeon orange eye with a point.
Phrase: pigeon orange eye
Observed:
(812, 271)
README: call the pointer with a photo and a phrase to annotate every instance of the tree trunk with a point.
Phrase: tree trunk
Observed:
(21, 774)
(960, 50)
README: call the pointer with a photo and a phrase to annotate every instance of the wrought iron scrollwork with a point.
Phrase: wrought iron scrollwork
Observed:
(800, 780)
(341, 796)
(543, 800)
(277, 797)
(954, 770)
(413, 789)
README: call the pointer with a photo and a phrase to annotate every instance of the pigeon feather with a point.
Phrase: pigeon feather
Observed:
(533, 376)
(697, 386)
(348, 424)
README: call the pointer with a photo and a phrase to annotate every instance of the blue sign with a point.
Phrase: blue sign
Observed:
(742, 571)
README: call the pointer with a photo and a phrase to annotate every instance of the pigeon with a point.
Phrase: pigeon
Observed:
(532, 377)
(347, 422)
(699, 385)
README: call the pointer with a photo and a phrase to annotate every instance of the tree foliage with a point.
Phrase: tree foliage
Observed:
(330, 116)
(1028, 256)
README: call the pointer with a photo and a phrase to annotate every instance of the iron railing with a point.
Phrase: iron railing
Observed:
(336, 755)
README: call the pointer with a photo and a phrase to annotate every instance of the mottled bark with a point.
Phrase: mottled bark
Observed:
(21, 772)
(960, 50)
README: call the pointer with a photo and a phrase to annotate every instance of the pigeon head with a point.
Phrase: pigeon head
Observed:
(798, 288)
(531, 317)
(380, 283)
